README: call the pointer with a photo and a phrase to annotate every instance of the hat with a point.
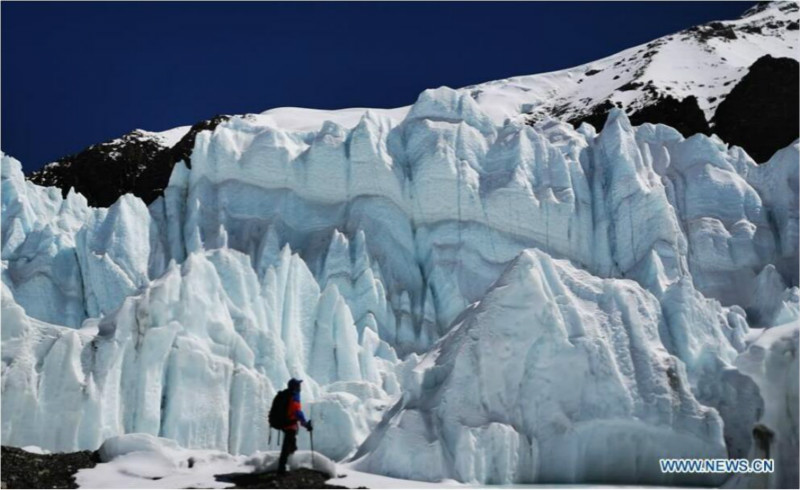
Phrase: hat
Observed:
(294, 384)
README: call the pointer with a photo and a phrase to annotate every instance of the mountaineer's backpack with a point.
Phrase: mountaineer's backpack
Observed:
(279, 412)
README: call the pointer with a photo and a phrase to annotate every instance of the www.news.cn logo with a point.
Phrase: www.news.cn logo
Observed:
(717, 465)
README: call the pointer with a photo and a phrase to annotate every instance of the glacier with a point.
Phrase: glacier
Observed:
(500, 302)
(772, 361)
(548, 370)
(190, 358)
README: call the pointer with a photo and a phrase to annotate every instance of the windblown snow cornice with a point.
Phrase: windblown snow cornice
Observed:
(737, 79)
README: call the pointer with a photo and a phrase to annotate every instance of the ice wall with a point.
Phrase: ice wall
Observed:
(772, 361)
(443, 201)
(554, 376)
(333, 254)
(446, 200)
(196, 357)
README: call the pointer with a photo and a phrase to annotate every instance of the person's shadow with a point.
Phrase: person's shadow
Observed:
(299, 478)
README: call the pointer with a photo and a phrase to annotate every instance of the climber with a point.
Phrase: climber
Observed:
(290, 399)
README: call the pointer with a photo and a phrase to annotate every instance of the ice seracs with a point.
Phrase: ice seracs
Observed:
(538, 380)
(268, 251)
(443, 187)
(206, 338)
(772, 361)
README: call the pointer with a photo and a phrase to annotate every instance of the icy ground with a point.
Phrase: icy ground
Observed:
(145, 461)
(467, 298)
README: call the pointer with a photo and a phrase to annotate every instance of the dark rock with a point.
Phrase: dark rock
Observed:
(131, 164)
(761, 113)
(713, 30)
(684, 115)
(630, 86)
(183, 148)
(758, 7)
(752, 29)
(102, 172)
(22, 469)
(596, 116)
(302, 478)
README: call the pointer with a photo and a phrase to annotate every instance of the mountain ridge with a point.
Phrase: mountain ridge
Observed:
(634, 79)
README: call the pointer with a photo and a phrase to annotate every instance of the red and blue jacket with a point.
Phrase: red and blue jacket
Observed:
(296, 412)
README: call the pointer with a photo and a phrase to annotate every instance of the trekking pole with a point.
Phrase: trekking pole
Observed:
(311, 435)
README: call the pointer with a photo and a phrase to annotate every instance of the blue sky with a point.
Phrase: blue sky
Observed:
(74, 74)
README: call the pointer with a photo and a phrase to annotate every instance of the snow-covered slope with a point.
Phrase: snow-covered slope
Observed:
(438, 264)
(704, 62)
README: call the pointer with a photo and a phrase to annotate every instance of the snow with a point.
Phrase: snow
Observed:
(303, 119)
(170, 137)
(357, 479)
(513, 183)
(39, 230)
(166, 139)
(264, 462)
(145, 461)
(679, 65)
(35, 450)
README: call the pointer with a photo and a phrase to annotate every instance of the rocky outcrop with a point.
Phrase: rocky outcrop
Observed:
(683, 115)
(21, 469)
(761, 113)
(135, 163)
